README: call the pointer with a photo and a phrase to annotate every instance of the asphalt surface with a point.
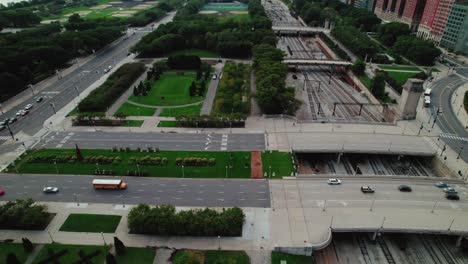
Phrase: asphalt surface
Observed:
(63, 90)
(447, 121)
(179, 192)
(314, 193)
(164, 141)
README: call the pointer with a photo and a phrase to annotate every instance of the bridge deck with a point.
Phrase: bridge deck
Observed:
(318, 62)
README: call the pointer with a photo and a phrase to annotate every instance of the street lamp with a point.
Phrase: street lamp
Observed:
(97, 166)
(56, 168)
(219, 242)
(183, 172)
(138, 169)
(269, 172)
(53, 108)
(226, 171)
(459, 152)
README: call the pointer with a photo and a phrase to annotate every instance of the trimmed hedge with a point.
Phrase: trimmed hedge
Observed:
(72, 159)
(232, 120)
(24, 215)
(164, 220)
(104, 96)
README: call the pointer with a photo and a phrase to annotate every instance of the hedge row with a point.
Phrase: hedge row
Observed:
(192, 161)
(332, 45)
(234, 120)
(72, 159)
(103, 97)
(147, 160)
(164, 220)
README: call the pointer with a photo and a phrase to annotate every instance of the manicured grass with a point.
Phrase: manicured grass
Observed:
(238, 168)
(224, 7)
(172, 87)
(137, 255)
(280, 162)
(366, 80)
(16, 248)
(72, 253)
(132, 123)
(168, 123)
(196, 52)
(92, 223)
(401, 68)
(133, 110)
(277, 257)
(188, 110)
(226, 257)
(188, 256)
(401, 77)
(103, 13)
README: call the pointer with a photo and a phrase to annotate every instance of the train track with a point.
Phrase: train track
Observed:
(363, 249)
(375, 167)
(443, 250)
(386, 251)
(429, 249)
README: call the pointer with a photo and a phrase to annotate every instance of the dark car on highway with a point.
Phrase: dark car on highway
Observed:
(367, 189)
(452, 196)
(404, 188)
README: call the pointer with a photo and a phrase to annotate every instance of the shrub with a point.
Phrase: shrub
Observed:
(23, 214)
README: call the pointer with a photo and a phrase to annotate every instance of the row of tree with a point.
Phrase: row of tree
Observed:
(104, 96)
(212, 121)
(24, 214)
(164, 220)
(229, 38)
(233, 94)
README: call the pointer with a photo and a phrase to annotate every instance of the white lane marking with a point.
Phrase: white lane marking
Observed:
(220, 192)
(240, 192)
(199, 199)
(144, 184)
(160, 191)
(177, 198)
(222, 200)
(141, 190)
(180, 191)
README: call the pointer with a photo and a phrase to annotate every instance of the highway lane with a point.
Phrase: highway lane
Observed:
(315, 193)
(63, 91)
(442, 92)
(179, 192)
(164, 141)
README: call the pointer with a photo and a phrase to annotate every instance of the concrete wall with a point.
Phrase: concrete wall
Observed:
(302, 251)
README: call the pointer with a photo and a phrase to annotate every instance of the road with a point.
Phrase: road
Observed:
(164, 141)
(64, 90)
(442, 92)
(179, 192)
(315, 193)
(211, 93)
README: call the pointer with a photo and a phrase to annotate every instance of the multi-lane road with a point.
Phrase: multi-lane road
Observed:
(447, 121)
(65, 89)
(179, 192)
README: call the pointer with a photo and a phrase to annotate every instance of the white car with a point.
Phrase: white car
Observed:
(449, 190)
(20, 112)
(215, 76)
(29, 106)
(50, 190)
(333, 181)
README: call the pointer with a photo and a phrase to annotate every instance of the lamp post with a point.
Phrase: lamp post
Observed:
(183, 172)
(434, 206)
(226, 171)
(53, 108)
(102, 235)
(269, 172)
(219, 242)
(138, 169)
(97, 166)
(459, 152)
(56, 168)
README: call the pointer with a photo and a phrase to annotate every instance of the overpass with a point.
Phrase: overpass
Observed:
(342, 142)
(317, 62)
(295, 29)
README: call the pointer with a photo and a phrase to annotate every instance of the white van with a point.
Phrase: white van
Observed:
(427, 92)
(427, 101)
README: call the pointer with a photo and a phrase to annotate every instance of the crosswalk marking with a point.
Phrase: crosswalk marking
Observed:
(452, 136)
(4, 137)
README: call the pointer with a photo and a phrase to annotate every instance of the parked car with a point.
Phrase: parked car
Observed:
(2, 127)
(450, 190)
(452, 196)
(334, 181)
(215, 77)
(50, 189)
(28, 107)
(441, 184)
(404, 188)
(3, 123)
(2, 192)
(367, 189)
(39, 99)
(19, 112)
(24, 112)
(12, 120)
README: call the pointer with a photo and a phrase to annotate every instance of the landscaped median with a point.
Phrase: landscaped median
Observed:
(151, 162)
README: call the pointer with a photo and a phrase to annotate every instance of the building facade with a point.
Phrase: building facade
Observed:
(406, 11)
(434, 19)
(455, 35)
(365, 4)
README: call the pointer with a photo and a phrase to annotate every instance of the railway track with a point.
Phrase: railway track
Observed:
(385, 250)
(363, 249)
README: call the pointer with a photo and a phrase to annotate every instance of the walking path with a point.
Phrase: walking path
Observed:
(162, 107)
(211, 93)
(254, 108)
(33, 254)
(124, 97)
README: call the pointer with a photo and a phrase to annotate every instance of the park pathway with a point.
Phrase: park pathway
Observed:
(210, 95)
(162, 107)
(33, 254)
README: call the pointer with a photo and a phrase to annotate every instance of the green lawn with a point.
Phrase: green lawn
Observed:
(366, 80)
(72, 253)
(401, 77)
(226, 257)
(92, 223)
(133, 110)
(168, 123)
(280, 162)
(132, 123)
(276, 258)
(143, 255)
(224, 7)
(188, 110)
(401, 68)
(196, 52)
(171, 89)
(238, 168)
(16, 248)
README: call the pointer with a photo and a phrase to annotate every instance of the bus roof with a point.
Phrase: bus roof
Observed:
(107, 182)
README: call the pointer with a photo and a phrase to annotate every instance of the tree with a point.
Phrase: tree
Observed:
(119, 246)
(79, 156)
(378, 85)
(389, 33)
(12, 259)
(358, 67)
(110, 259)
(27, 245)
(75, 18)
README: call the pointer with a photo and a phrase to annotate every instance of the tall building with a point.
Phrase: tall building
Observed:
(434, 19)
(365, 4)
(406, 11)
(455, 36)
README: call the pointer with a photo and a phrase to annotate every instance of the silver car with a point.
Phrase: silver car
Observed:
(50, 190)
